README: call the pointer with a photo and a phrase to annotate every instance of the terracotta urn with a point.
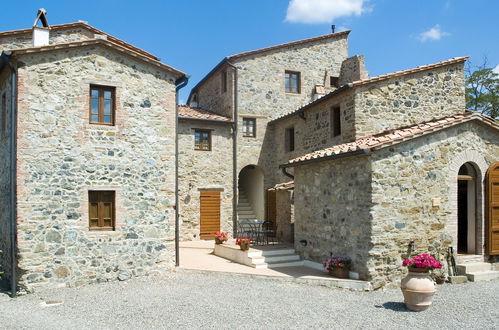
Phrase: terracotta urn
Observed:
(418, 289)
(339, 272)
(244, 246)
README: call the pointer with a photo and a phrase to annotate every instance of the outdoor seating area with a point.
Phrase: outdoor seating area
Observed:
(260, 232)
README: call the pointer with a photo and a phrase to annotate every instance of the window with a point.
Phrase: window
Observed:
(3, 117)
(102, 105)
(334, 81)
(249, 127)
(101, 210)
(335, 121)
(289, 139)
(202, 140)
(224, 81)
(292, 82)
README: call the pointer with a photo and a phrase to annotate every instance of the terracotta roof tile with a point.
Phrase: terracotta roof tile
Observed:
(186, 112)
(284, 186)
(393, 136)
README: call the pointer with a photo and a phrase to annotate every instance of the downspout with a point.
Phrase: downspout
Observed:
(286, 173)
(13, 173)
(235, 191)
(179, 84)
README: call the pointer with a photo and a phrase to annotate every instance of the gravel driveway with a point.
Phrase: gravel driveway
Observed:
(223, 301)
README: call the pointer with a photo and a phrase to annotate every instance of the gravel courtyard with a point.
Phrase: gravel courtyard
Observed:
(222, 301)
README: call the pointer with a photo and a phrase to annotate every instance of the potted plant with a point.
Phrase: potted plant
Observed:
(418, 286)
(338, 266)
(243, 242)
(221, 237)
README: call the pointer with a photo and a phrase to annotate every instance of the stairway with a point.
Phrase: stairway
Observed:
(475, 269)
(275, 258)
(244, 208)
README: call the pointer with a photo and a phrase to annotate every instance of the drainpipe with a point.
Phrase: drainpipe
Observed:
(235, 190)
(13, 173)
(179, 84)
(286, 173)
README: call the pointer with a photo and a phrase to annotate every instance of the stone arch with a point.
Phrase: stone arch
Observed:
(478, 162)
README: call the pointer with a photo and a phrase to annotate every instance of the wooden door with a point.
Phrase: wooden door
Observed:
(493, 208)
(209, 213)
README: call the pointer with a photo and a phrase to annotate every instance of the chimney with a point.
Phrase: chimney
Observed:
(333, 27)
(41, 33)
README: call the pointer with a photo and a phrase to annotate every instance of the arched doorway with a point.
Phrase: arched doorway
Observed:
(251, 200)
(467, 180)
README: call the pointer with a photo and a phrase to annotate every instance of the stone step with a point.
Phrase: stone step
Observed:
(472, 267)
(259, 253)
(286, 264)
(483, 276)
(469, 258)
(281, 258)
(244, 208)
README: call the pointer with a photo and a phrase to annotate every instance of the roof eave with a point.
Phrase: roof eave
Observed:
(207, 120)
(357, 152)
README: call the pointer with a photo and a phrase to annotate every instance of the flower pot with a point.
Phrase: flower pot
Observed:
(418, 289)
(339, 272)
(218, 241)
(244, 247)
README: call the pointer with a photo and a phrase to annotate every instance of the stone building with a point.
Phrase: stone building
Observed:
(87, 154)
(377, 165)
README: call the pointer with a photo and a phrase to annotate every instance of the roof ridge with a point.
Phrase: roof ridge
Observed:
(287, 44)
(87, 26)
(411, 70)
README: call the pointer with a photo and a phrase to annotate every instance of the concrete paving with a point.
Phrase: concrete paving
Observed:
(198, 256)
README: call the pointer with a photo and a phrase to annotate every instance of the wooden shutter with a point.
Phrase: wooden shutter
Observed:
(271, 205)
(101, 210)
(493, 208)
(209, 213)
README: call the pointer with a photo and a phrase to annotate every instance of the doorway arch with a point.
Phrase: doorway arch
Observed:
(251, 201)
(467, 201)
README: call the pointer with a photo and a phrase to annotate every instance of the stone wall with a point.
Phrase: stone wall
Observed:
(314, 132)
(352, 69)
(204, 170)
(409, 99)
(332, 210)
(285, 219)
(212, 97)
(5, 191)
(406, 179)
(25, 40)
(61, 157)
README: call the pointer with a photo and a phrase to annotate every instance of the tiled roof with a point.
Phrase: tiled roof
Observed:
(363, 82)
(89, 42)
(409, 71)
(288, 44)
(186, 112)
(284, 186)
(86, 26)
(391, 137)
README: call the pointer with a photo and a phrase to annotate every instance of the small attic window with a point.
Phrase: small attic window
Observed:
(334, 81)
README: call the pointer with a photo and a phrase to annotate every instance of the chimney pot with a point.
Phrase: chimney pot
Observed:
(333, 27)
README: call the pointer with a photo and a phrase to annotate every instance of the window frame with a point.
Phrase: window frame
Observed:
(288, 78)
(246, 132)
(334, 81)
(224, 81)
(201, 131)
(100, 104)
(335, 121)
(100, 207)
(289, 139)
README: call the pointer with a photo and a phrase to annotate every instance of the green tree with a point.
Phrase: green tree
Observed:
(482, 89)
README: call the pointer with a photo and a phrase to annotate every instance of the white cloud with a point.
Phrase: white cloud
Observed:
(323, 11)
(435, 33)
(496, 69)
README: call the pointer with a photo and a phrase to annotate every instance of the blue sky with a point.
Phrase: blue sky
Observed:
(195, 35)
